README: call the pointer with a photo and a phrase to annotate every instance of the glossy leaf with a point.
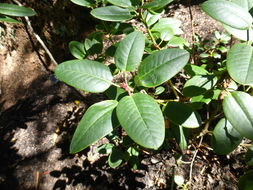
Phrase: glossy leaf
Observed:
(4, 18)
(77, 49)
(240, 63)
(245, 181)
(111, 13)
(228, 13)
(156, 4)
(94, 43)
(151, 18)
(159, 90)
(161, 66)
(90, 76)
(121, 3)
(225, 137)
(182, 114)
(129, 52)
(95, 124)
(142, 119)
(238, 109)
(115, 158)
(199, 84)
(193, 70)
(249, 156)
(15, 10)
(167, 23)
(84, 3)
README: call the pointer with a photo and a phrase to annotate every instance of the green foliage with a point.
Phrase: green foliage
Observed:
(14, 10)
(139, 74)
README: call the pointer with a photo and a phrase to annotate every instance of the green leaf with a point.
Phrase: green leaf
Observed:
(115, 93)
(161, 66)
(246, 4)
(105, 148)
(228, 13)
(156, 4)
(193, 70)
(77, 49)
(240, 63)
(151, 18)
(90, 76)
(111, 13)
(159, 90)
(199, 84)
(15, 10)
(8, 19)
(129, 52)
(95, 124)
(84, 3)
(238, 109)
(240, 34)
(141, 117)
(94, 43)
(115, 158)
(245, 181)
(183, 142)
(249, 156)
(167, 23)
(182, 114)
(225, 137)
(121, 3)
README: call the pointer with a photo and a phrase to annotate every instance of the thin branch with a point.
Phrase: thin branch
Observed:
(174, 90)
(37, 36)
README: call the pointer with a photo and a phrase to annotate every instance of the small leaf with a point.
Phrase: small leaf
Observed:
(159, 90)
(193, 70)
(84, 3)
(161, 66)
(129, 52)
(182, 114)
(90, 76)
(121, 3)
(115, 93)
(77, 49)
(95, 124)
(94, 43)
(183, 142)
(141, 117)
(151, 18)
(199, 84)
(166, 23)
(228, 13)
(111, 13)
(15, 10)
(225, 137)
(249, 156)
(8, 19)
(105, 148)
(179, 180)
(156, 4)
(238, 109)
(245, 181)
(240, 63)
(115, 158)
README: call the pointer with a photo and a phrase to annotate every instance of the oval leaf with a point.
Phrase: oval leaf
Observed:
(15, 10)
(156, 4)
(245, 181)
(240, 63)
(182, 114)
(238, 109)
(95, 124)
(129, 52)
(225, 138)
(77, 49)
(228, 13)
(115, 158)
(161, 66)
(142, 119)
(245, 35)
(84, 3)
(90, 76)
(121, 3)
(199, 84)
(111, 13)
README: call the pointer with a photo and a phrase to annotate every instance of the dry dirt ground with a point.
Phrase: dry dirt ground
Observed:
(39, 114)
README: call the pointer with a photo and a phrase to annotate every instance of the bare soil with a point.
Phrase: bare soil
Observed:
(39, 114)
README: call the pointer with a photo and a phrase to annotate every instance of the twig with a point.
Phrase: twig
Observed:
(193, 32)
(37, 36)
(193, 159)
(174, 90)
